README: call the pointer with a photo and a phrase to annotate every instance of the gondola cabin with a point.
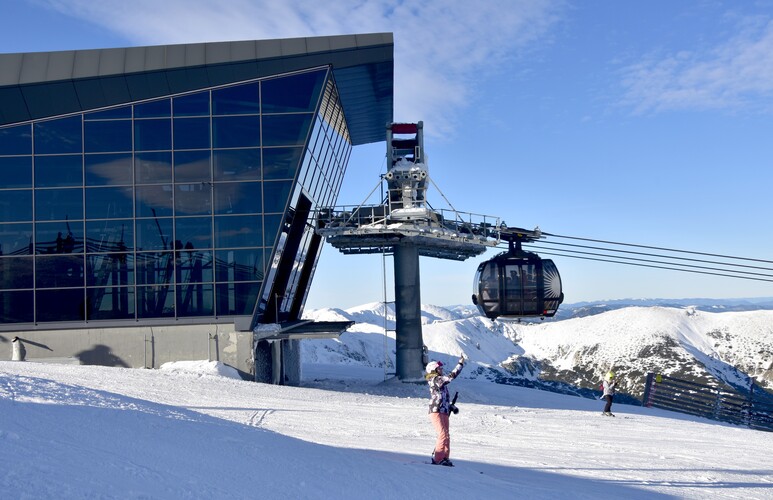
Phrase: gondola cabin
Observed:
(517, 284)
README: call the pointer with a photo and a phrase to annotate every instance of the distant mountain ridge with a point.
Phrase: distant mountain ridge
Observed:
(694, 342)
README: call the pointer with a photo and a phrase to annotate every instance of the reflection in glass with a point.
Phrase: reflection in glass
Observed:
(16, 172)
(193, 232)
(108, 169)
(237, 299)
(61, 170)
(153, 109)
(192, 104)
(64, 135)
(239, 265)
(238, 198)
(155, 268)
(192, 166)
(153, 167)
(109, 269)
(154, 200)
(236, 100)
(281, 163)
(296, 93)
(109, 202)
(60, 305)
(286, 130)
(193, 266)
(275, 194)
(16, 205)
(59, 237)
(16, 140)
(195, 299)
(16, 307)
(193, 199)
(58, 271)
(15, 239)
(237, 164)
(110, 114)
(238, 231)
(153, 135)
(191, 133)
(155, 302)
(154, 234)
(16, 272)
(59, 204)
(110, 303)
(109, 236)
(236, 131)
(112, 136)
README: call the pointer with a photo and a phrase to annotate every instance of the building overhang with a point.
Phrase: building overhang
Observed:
(304, 329)
(38, 85)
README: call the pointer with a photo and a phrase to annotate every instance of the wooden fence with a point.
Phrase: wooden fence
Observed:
(753, 409)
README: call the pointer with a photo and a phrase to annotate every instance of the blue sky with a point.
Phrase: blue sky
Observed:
(637, 122)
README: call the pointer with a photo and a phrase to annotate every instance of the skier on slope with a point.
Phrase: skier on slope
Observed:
(440, 408)
(609, 385)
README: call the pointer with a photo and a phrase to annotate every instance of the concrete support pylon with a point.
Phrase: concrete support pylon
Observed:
(409, 340)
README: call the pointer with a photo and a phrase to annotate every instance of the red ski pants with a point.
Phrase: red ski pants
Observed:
(443, 443)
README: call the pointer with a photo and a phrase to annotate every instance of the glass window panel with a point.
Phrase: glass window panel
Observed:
(110, 303)
(286, 130)
(16, 140)
(109, 136)
(193, 233)
(154, 200)
(109, 202)
(192, 104)
(16, 205)
(236, 131)
(238, 198)
(239, 265)
(114, 269)
(236, 100)
(237, 164)
(237, 299)
(238, 231)
(195, 299)
(193, 266)
(115, 235)
(193, 199)
(275, 194)
(16, 239)
(59, 237)
(191, 133)
(59, 305)
(153, 109)
(152, 135)
(108, 169)
(15, 172)
(281, 163)
(59, 271)
(293, 93)
(155, 268)
(153, 167)
(64, 135)
(155, 302)
(271, 227)
(59, 204)
(154, 234)
(110, 114)
(16, 272)
(56, 171)
(17, 307)
(192, 166)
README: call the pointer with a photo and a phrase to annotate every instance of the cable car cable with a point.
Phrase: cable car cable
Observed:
(657, 248)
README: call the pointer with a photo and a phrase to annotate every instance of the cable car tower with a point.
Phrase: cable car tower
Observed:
(407, 227)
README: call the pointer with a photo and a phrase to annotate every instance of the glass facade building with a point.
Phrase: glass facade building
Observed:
(184, 206)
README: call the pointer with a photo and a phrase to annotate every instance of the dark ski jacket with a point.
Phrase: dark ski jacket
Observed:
(440, 401)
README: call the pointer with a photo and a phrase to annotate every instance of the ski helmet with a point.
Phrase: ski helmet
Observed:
(610, 375)
(433, 366)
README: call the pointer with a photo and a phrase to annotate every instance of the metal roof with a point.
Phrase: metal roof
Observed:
(37, 85)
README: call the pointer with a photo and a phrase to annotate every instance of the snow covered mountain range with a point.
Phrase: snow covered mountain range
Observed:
(571, 356)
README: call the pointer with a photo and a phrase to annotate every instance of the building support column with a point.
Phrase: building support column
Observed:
(409, 340)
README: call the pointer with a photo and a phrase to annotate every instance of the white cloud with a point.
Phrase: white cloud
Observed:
(737, 74)
(441, 48)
